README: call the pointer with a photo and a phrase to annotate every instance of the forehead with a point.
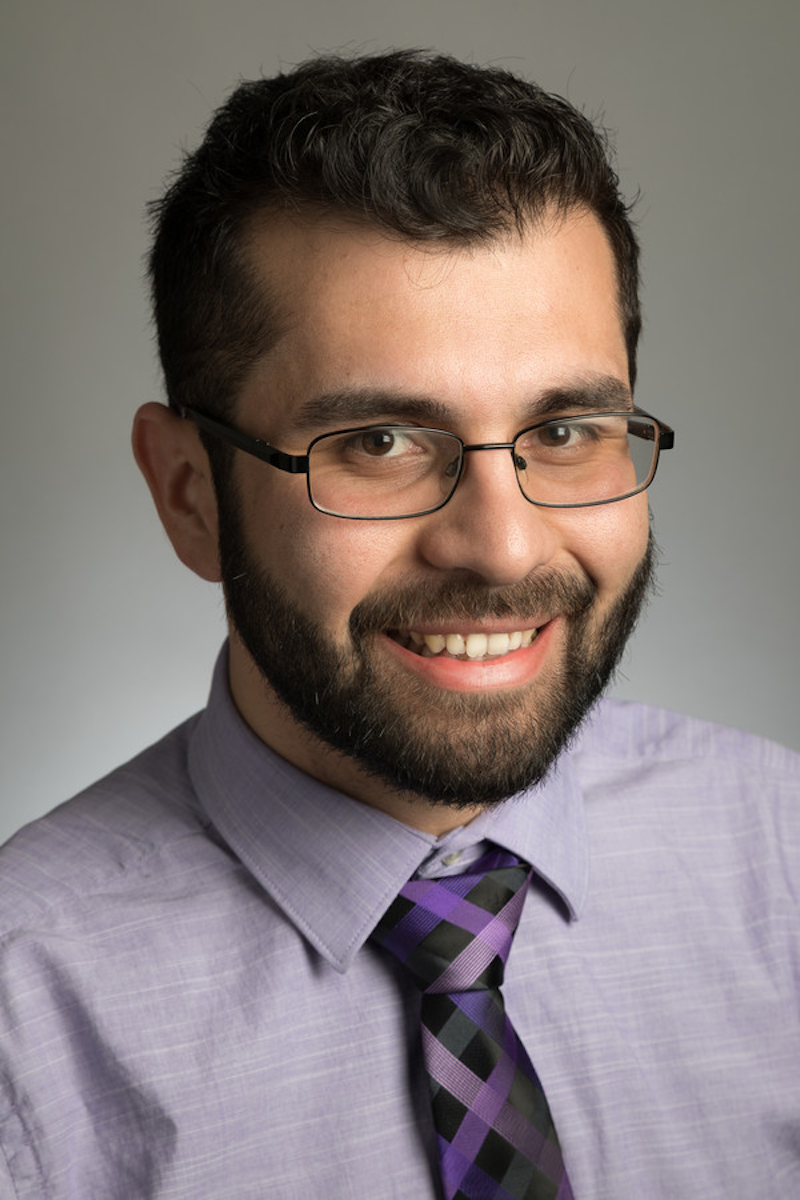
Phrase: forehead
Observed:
(464, 326)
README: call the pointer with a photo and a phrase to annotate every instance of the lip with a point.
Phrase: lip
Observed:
(515, 669)
(510, 625)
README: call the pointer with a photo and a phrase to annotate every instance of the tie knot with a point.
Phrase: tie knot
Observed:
(454, 933)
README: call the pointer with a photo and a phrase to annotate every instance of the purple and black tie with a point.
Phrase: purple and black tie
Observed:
(495, 1133)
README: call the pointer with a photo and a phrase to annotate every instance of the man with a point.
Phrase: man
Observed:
(397, 308)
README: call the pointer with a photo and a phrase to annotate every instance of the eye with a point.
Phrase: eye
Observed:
(383, 443)
(386, 450)
(564, 442)
(560, 435)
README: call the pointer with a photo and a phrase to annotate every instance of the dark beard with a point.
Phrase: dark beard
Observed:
(456, 749)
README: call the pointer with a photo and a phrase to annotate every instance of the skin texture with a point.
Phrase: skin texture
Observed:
(471, 340)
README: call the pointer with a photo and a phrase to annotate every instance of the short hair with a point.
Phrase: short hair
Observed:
(418, 145)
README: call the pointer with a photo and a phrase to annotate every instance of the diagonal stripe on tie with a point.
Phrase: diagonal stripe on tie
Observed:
(496, 1136)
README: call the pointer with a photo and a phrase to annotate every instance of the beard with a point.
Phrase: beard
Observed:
(462, 750)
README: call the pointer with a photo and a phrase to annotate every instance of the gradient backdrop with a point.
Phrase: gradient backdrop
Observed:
(106, 640)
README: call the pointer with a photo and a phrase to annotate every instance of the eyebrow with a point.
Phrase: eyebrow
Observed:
(598, 393)
(362, 405)
(365, 405)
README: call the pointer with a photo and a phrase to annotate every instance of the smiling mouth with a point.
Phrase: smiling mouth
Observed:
(469, 647)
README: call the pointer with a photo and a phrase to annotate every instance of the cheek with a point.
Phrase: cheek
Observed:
(332, 564)
(609, 541)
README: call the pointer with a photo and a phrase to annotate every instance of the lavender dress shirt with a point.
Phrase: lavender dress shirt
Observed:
(190, 1007)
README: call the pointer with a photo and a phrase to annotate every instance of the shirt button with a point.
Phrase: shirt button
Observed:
(450, 860)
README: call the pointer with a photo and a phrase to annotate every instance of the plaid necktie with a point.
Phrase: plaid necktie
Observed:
(495, 1133)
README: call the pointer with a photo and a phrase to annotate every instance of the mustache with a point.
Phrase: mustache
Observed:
(546, 592)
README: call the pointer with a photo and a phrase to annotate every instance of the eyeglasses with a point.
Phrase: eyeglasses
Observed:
(392, 472)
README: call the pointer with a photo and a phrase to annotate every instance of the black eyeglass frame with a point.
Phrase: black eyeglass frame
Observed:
(298, 464)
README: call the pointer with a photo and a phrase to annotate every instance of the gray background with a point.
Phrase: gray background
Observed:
(106, 640)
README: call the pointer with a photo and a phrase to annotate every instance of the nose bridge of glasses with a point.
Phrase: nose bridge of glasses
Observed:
(489, 446)
(454, 468)
(474, 447)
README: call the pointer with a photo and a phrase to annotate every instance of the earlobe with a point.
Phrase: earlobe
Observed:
(171, 457)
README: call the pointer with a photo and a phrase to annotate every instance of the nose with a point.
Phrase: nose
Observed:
(488, 528)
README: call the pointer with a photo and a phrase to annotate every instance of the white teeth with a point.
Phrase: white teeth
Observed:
(455, 643)
(472, 646)
(476, 645)
(498, 643)
(434, 641)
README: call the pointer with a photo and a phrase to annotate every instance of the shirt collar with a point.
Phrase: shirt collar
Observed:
(333, 864)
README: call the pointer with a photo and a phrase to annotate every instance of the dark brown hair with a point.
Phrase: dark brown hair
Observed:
(420, 145)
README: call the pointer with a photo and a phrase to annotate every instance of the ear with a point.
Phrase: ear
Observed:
(172, 459)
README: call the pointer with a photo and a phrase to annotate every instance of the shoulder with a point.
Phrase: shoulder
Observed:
(625, 732)
(108, 839)
(719, 799)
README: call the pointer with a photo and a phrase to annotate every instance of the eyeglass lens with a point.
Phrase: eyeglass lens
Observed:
(393, 471)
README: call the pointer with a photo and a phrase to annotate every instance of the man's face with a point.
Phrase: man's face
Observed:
(341, 618)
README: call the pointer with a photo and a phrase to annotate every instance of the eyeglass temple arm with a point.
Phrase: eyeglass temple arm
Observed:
(666, 435)
(295, 464)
